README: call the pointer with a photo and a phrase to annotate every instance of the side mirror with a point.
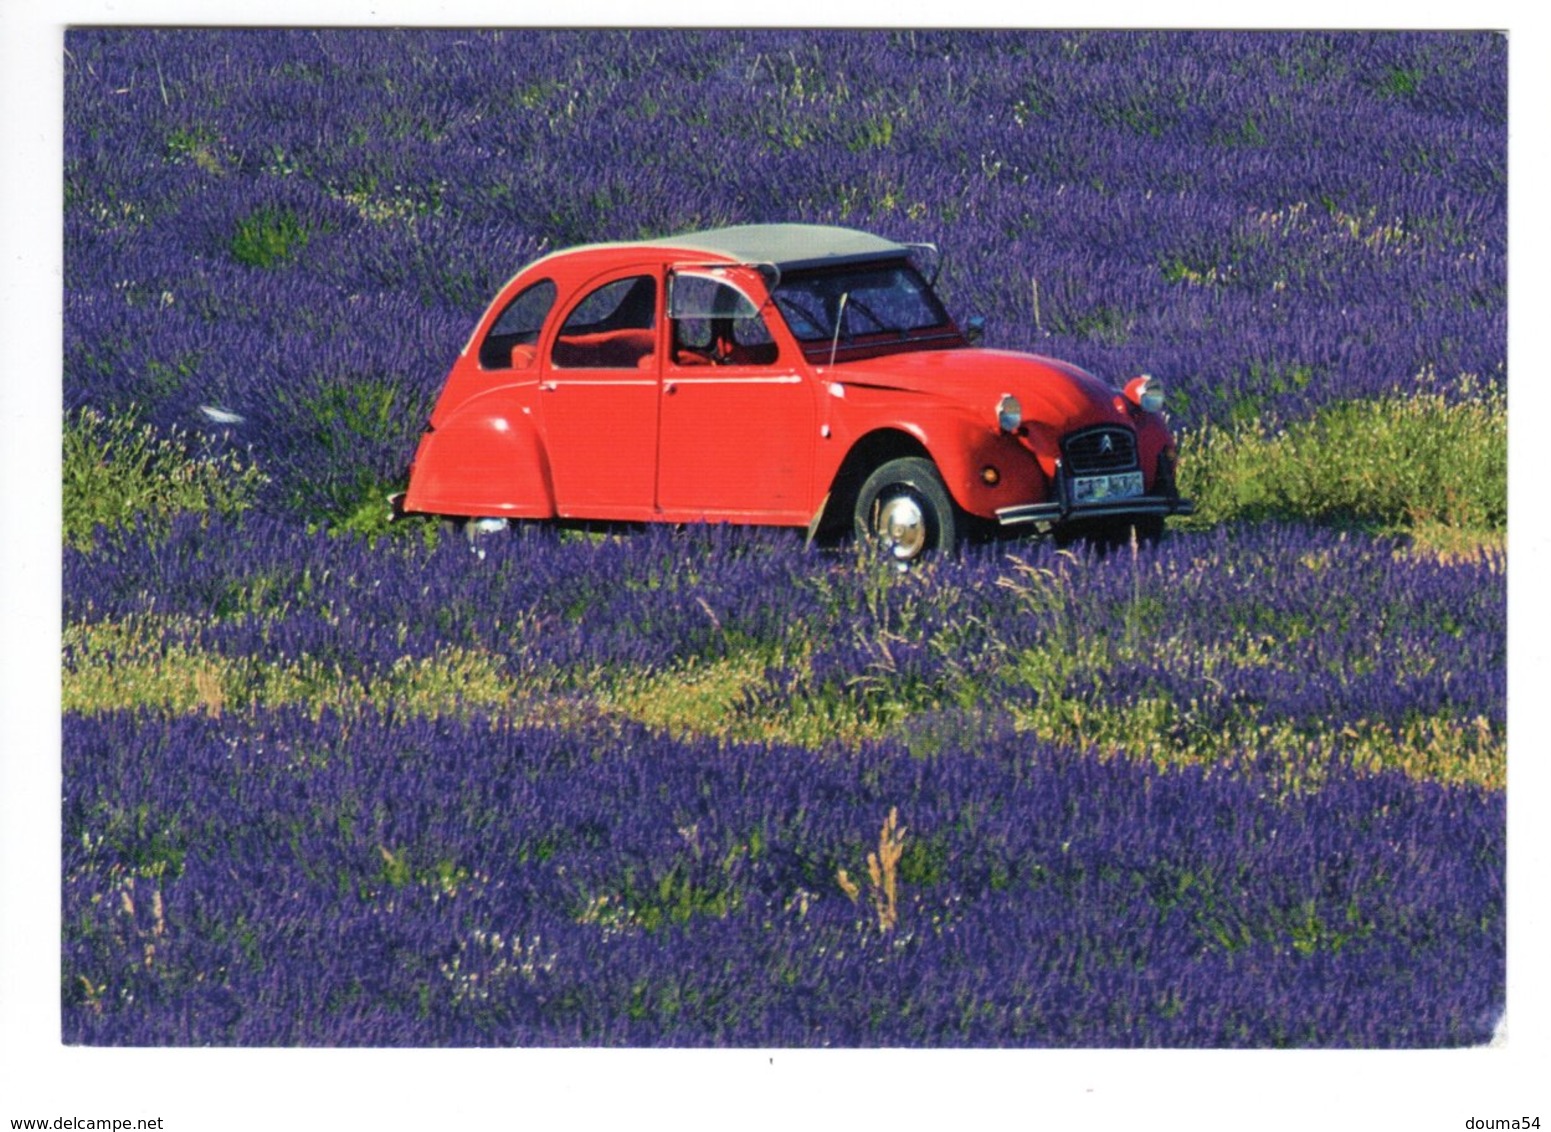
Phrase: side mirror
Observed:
(975, 329)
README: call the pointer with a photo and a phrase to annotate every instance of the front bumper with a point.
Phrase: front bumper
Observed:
(1048, 515)
(1064, 508)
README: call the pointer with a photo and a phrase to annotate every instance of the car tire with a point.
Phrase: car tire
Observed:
(475, 532)
(905, 511)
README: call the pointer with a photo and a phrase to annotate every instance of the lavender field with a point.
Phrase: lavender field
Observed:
(331, 782)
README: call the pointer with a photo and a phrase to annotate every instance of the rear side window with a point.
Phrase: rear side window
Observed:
(612, 328)
(518, 325)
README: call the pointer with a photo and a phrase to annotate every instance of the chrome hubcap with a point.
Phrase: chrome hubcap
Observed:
(902, 526)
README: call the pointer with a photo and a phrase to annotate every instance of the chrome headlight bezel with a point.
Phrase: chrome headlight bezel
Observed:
(1146, 393)
(1009, 413)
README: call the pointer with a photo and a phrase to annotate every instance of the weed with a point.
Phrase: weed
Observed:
(882, 872)
(269, 237)
(203, 147)
(117, 471)
(1396, 463)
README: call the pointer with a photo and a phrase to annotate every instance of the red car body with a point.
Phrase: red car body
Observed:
(786, 374)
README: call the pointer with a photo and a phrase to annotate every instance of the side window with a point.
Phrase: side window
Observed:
(716, 324)
(614, 327)
(518, 325)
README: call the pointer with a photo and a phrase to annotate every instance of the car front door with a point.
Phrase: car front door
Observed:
(737, 418)
(599, 400)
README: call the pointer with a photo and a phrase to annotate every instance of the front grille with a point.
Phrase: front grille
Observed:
(1100, 450)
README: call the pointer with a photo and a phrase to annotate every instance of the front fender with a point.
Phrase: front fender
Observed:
(487, 459)
(961, 445)
(984, 468)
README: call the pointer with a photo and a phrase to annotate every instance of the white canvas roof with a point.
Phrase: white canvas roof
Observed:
(788, 246)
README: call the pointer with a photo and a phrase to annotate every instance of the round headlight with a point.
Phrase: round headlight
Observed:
(1145, 392)
(1009, 413)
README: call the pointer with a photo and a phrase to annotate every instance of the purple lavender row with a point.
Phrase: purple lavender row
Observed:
(392, 881)
(1349, 629)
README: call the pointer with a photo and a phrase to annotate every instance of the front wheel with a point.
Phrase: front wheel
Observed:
(905, 510)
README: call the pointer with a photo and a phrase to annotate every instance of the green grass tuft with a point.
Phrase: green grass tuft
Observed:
(117, 471)
(269, 237)
(1403, 464)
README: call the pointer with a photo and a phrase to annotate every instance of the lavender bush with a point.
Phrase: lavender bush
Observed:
(1168, 770)
(384, 881)
(1244, 788)
(1188, 640)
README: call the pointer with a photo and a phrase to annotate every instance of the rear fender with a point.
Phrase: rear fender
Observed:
(485, 459)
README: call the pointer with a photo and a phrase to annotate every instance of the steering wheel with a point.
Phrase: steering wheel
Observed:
(720, 348)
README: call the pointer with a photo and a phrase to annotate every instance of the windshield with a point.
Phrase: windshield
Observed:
(888, 299)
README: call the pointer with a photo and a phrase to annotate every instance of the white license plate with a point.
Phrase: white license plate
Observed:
(1116, 485)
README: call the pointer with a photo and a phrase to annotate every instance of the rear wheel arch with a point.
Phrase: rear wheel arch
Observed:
(488, 457)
